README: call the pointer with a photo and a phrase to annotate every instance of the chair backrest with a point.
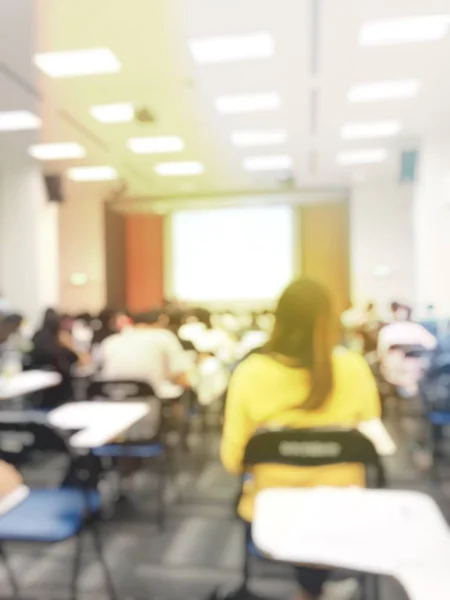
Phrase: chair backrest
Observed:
(313, 448)
(120, 390)
(18, 438)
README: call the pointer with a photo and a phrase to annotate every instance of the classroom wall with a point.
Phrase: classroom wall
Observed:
(382, 243)
(82, 250)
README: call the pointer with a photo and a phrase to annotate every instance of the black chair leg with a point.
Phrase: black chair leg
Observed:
(76, 567)
(161, 515)
(9, 572)
(109, 585)
(246, 565)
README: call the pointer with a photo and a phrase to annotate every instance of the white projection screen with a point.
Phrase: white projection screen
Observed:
(232, 254)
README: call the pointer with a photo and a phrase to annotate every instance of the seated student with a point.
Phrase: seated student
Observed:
(175, 319)
(397, 368)
(147, 352)
(207, 339)
(298, 381)
(105, 325)
(53, 348)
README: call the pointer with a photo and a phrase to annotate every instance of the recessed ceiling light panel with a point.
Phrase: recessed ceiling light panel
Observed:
(356, 131)
(360, 157)
(113, 113)
(92, 174)
(57, 151)
(75, 63)
(232, 48)
(19, 120)
(408, 30)
(376, 91)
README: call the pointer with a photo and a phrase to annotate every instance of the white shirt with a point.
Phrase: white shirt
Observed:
(153, 355)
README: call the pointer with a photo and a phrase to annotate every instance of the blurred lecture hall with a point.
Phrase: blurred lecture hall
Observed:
(224, 300)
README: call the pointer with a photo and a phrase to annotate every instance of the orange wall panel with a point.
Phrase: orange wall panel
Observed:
(144, 261)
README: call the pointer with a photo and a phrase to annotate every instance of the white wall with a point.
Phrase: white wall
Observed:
(82, 250)
(382, 235)
(432, 226)
(28, 242)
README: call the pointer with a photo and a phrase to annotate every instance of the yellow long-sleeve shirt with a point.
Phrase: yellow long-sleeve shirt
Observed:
(263, 392)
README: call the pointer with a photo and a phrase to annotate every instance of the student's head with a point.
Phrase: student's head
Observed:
(148, 319)
(395, 307)
(107, 318)
(203, 316)
(51, 322)
(305, 331)
(175, 319)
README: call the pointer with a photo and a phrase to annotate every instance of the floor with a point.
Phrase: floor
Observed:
(201, 546)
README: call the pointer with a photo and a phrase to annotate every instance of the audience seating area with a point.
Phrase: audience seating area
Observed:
(124, 496)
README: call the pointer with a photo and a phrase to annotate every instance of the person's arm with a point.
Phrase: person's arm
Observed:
(238, 427)
(71, 354)
(10, 479)
(178, 363)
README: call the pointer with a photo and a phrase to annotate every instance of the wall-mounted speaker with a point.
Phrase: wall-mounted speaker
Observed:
(53, 184)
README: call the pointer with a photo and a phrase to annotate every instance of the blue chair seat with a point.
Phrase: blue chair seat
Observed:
(130, 450)
(439, 418)
(48, 515)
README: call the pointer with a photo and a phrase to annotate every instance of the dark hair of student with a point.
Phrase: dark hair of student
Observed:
(204, 316)
(147, 318)
(51, 322)
(175, 319)
(305, 330)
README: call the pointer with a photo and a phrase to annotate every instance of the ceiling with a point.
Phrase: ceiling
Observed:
(317, 59)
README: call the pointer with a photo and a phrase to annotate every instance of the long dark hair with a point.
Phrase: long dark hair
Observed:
(305, 328)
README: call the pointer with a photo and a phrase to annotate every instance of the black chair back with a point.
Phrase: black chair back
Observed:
(120, 390)
(316, 447)
(18, 439)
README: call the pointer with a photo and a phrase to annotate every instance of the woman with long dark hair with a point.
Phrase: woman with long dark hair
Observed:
(299, 380)
(53, 349)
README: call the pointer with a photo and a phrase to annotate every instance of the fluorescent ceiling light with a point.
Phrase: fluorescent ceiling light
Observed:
(18, 120)
(56, 151)
(356, 131)
(155, 145)
(242, 103)
(92, 173)
(359, 157)
(77, 62)
(384, 90)
(267, 163)
(231, 48)
(386, 32)
(113, 113)
(168, 169)
(256, 137)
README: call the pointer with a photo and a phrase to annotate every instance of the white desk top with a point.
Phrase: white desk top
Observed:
(11, 500)
(26, 383)
(379, 436)
(99, 422)
(397, 533)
